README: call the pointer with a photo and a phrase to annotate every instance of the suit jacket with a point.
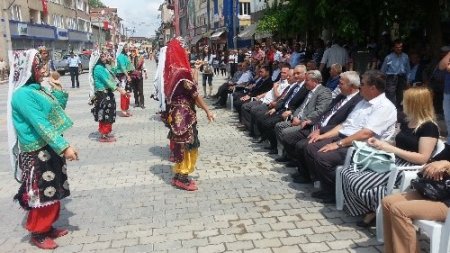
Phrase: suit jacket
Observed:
(261, 87)
(316, 105)
(340, 115)
(295, 101)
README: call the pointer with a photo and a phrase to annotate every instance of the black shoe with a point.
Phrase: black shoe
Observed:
(143, 106)
(291, 164)
(367, 222)
(282, 159)
(268, 147)
(273, 152)
(301, 180)
(320, 195)
(329, 200)
(136, 105)
(261, 140)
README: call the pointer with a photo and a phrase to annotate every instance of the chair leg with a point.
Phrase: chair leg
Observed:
(379, 223)
(339, 191)
(435, 239)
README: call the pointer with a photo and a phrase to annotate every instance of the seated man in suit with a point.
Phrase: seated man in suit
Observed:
(266, 121)
(316, 102)
(261, 103)
(226, 88)
(262, 86)
(374, 116)
(294, 141)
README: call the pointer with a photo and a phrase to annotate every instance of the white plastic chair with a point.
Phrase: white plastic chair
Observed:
(438, 232)
(409, 172)
(339, 190)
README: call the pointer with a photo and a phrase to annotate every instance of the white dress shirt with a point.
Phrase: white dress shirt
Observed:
(378, 115)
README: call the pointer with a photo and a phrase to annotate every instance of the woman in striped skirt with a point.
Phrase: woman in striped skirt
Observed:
(414, 145)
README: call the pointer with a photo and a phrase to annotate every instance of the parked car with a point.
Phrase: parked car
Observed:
(62, 66)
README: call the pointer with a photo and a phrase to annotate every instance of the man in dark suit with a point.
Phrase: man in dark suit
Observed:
(266, 121)
(262, 86)
(294, 141)
(316, 102)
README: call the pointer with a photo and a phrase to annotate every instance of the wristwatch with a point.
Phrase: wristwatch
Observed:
(340, 144)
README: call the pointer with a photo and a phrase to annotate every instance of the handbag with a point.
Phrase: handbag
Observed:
(207, 69)
(432, 189)
(366, 157)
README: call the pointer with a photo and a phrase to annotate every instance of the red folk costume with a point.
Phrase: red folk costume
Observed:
(181, 91)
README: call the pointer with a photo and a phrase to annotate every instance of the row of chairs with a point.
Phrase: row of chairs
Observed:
(438, 232)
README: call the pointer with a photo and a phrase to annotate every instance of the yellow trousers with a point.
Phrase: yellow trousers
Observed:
(186, 166)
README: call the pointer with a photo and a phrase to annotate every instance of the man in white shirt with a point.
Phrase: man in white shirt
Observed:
(374, 116)
(74, 62)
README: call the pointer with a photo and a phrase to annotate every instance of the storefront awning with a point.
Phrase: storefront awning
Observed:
(216, 35)
(196, 38)
(248, 32)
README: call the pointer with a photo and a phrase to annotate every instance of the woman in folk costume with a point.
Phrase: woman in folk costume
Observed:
(103, 85)
(181, 97)
(123, 71)
(36, 122)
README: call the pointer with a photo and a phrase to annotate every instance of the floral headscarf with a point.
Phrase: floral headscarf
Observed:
(177, 68)
(24, 68)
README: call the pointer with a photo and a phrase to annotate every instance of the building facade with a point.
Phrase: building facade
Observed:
(107, 22)
(60, 25)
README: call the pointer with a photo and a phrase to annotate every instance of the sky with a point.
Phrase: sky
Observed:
(139, 14)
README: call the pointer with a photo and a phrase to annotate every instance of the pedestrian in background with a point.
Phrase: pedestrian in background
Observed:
(74, 62)
(3, 69)
(396, 67)
(137, 78)
(207, 71)
(36, 122)
(124, 67)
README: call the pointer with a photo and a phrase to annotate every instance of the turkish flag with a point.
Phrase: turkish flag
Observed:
(45, 7)
(105, 25)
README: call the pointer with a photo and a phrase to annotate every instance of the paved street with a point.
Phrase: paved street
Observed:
(122, 200)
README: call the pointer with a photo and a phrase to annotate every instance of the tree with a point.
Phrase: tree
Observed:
(96, 4)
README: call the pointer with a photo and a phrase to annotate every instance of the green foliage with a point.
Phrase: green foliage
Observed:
(96, 4)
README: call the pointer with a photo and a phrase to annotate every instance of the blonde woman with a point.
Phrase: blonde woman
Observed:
(414, 144)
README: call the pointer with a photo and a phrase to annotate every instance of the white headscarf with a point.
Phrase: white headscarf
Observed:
(159, 79)
(21, 70)
(120, 49)
(95, 56)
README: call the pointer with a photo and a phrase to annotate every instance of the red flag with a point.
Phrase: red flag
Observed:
(105, 25)
(45, 7)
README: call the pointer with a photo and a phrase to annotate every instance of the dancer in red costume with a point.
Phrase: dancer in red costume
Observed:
(182, 96)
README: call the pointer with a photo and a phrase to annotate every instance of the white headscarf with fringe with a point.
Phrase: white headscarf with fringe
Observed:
(21, 63)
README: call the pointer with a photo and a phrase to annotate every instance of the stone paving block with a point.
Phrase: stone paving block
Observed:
(341, 244)
(215, 248)
(325, 229)
(258, 228)
(153, 239)
(343, 235)
(275, 234)
(300, 231)
(222, 238)
(267, 243)
(140, 233)
(62, 249)
(84, 239)
(96, 245)
(167, 245)
(320, 237)
(282, 225)
(314, 247)
(239, 245)
(191, 243)
(294, 240)
(139, 248)
(287, 249)
(365, 250)
(124, 242)
(206, 233)
(249, 236)
(116, 250)
(258, 251)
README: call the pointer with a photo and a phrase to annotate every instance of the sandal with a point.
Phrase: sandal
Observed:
(368, 221)
(43, 242)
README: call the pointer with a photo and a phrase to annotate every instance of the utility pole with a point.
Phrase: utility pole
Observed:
(235, 21)
(208, 13)
(5, 33)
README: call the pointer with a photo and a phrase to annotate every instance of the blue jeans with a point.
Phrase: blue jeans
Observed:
(446, 105)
